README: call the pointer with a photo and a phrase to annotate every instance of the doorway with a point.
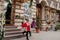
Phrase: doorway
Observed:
(8, 14)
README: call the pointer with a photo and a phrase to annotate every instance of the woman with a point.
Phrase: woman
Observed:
(26, 25)
(33, 24)
(28, 31)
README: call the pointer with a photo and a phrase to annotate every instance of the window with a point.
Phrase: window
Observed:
(55, 4)
(58, 0)
(59, 5)
(49, 2)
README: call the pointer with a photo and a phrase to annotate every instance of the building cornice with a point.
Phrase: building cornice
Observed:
(51, 4)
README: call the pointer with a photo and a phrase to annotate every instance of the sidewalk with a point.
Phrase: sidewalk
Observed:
(51, 35)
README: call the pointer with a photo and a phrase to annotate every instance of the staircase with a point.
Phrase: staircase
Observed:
(12, 32)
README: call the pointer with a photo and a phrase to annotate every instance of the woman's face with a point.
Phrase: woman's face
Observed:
(24, 21)
(33, 20)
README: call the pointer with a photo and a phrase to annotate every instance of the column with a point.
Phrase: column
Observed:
(43, 18)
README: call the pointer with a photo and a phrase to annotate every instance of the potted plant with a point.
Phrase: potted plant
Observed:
(57, 27)
(38, 25)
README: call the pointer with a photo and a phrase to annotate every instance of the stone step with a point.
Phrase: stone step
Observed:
(10, 26)
(13, 32)
(12, 35)
(10, 30)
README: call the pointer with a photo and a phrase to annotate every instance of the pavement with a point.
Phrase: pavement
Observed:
(43, 35)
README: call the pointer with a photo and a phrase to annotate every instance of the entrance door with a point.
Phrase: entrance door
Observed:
(8, 15)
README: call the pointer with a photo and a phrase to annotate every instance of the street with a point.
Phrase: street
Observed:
(50, 35)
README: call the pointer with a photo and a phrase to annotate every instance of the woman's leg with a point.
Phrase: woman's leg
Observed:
(27, 35)
(30, 33)
(24, 32)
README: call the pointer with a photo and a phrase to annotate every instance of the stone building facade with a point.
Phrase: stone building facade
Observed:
(18, 12)
(47, 10)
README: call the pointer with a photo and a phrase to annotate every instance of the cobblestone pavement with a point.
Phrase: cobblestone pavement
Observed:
(50, 35)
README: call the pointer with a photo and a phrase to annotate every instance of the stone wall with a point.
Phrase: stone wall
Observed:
(20, 11)
(1, 11)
